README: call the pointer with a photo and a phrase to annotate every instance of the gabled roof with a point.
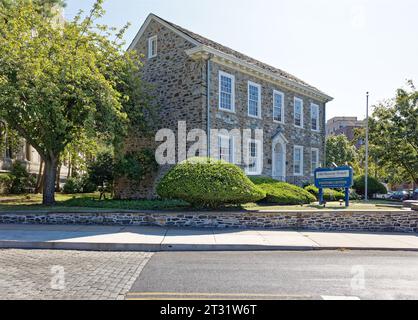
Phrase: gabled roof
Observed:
(199, 40)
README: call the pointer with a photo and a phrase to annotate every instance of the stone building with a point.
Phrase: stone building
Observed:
(26, 155)
(210, 86)
(345, 126)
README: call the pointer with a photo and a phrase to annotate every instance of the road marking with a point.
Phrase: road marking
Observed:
(339, 298)
(216, 294)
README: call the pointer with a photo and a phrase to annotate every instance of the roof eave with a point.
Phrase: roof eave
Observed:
(203, 51)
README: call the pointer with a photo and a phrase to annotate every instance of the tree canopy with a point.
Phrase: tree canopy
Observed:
(61, 81)
(394, 132)
(340, 151)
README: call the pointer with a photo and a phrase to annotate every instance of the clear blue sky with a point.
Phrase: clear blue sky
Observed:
(344, 47)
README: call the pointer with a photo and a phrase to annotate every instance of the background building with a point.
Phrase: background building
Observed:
(345, 126)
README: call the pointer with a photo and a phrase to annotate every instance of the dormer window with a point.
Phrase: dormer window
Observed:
(152, 47)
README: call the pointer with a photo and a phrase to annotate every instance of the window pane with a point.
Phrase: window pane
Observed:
(253, 99)
(315, 117)
(226, 93)
(298, 160)
(224, 148)
(278, 105)
(253, 158)
(314, 160)
(298, 112)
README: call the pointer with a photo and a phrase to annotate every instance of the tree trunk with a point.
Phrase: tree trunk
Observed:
(50, 174)
(58, 179)
(69, 168)
(39, 179)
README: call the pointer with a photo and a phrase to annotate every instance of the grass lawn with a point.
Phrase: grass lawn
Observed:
(90, 202)
(83, 202)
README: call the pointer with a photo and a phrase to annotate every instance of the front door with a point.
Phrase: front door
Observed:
(279, 171)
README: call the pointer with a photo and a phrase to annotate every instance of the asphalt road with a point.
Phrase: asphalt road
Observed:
(279, 275)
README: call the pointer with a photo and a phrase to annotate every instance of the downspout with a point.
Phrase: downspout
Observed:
(208, 88)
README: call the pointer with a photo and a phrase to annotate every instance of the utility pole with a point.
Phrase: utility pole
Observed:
(366, 183)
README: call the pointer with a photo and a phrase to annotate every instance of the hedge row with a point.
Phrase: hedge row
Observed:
(329, 194)
(282, 193)
(204, 182)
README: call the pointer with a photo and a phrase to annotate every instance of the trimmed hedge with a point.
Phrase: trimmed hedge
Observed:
(204, 182)
(329, 194)
(282, 193)
(374, 186)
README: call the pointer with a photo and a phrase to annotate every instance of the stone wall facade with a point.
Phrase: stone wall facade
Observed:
(180, 85)
(370, 221)
(239, 119)
(176, 82)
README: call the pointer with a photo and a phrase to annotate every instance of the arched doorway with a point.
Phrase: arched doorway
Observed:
(279, 158)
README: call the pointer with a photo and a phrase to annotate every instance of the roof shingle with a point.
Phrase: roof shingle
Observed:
(209, 43)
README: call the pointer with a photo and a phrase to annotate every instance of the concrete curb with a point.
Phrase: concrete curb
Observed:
(82, 246)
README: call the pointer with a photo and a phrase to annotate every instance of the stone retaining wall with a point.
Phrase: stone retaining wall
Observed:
(383, 221)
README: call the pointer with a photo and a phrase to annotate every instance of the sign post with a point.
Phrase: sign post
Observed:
(341, 177)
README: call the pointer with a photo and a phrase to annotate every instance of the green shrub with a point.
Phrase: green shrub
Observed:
(101, 170)
(79, 185)
(87, 186)
(72, 185)
(203, 182)
(329, 194)
(22, 180)
(374, 186)
(5, 183)
(282, 193)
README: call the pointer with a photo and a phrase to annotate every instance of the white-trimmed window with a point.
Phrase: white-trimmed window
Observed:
(278, 106)
(298, 161)
(152, 47)
(314, 160)
(254, 100)
(298, 110)
(254, 158)
(226, 148)
(226, 91)
(315, 117)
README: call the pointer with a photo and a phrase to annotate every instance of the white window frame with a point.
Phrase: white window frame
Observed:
(258, 158)
(232, 77)
(315, 106)
(231, 147)
(301, 111)
(316, 150)
(275, 92)
(298, 174)
(150, 42)
(253, 84)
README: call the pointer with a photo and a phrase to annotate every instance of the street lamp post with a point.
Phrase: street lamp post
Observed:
(366, 183)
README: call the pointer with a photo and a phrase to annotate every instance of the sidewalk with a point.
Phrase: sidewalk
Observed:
(102, 238)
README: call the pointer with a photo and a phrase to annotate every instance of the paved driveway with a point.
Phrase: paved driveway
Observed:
(38, 274)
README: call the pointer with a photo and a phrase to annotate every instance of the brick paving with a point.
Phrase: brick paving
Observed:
(80, 275)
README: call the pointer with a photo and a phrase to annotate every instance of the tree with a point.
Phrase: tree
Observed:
(339, 151)
(394, 132)
(101, 171)
(59, 81)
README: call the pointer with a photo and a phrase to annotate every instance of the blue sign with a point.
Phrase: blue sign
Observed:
(341, 177)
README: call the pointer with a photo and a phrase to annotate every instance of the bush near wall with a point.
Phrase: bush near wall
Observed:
(22, 180)
(374, 186)
(5, 183)
(282, 193)
(79, 185)
(204, 182)
(329, 194)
